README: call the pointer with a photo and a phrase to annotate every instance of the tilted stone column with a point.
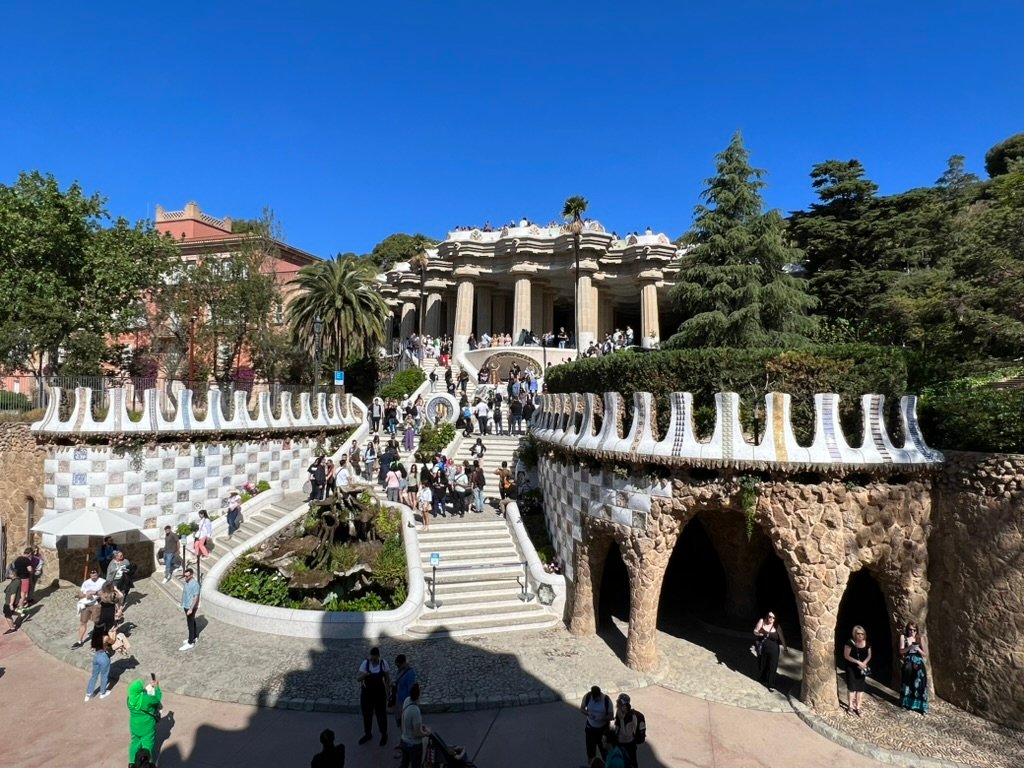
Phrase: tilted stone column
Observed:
(819, 590)
(586, 312)
(463, 316)
(537, 310)
(499, 313)
(408, 324)
(521, 308)
(646, 566)
(649, 325)
(549, 310)
(591, 555)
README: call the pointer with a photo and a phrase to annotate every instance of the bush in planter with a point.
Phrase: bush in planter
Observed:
(404, 384)
(434, 439)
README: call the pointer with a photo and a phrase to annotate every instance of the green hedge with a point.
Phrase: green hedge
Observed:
(967, 415)
(14, 401)
(848, 370)
(404, 384)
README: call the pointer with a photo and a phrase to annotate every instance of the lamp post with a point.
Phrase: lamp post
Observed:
(318, 330)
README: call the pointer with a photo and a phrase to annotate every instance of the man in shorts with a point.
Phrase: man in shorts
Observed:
(11, 593)
(23, 572)
(89, 607)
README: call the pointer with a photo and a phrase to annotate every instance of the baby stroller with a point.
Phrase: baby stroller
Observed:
(440, 755)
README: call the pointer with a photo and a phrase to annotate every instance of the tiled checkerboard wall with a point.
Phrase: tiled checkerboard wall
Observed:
(169, 483)
(573, 492)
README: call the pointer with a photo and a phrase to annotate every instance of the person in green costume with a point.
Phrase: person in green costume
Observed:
(143, 715)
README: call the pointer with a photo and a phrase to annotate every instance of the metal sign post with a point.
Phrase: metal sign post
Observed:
(435, 560)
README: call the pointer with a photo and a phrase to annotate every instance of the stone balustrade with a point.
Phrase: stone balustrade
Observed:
(584, 423)
(332, 412)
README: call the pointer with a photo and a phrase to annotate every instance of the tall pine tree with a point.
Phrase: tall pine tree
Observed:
(732, 283)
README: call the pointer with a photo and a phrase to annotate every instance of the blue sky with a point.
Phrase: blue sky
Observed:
(356, 122)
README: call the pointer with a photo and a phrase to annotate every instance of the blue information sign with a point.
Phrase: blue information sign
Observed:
(339, 378)
(435, 559)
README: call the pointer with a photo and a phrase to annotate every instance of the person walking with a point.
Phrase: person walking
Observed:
(331, 755)
(234, 512)
(478, 481)
(376, 413)
(88, 605)
(190, 604)
(630, 727)
(23, 572)
(369, 460)
(413, 730)
(769, 639)
(597, 708)
(204, 535)
(330, 480)
(143, 715)
(374, 678)
(171, 544)
(317, 479)
(100, 644)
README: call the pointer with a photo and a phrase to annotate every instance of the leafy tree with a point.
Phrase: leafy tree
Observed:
(999, 158)
(225, 300)
(955, 179)
(398, 247)
(69, 274)
(342, 293)
(732, 283)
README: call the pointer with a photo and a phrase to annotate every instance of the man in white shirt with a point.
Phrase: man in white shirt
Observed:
(343, 478)
(413, 730)
(88, 607)
(483, 413)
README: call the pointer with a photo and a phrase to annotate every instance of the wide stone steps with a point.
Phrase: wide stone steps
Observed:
(531, 616)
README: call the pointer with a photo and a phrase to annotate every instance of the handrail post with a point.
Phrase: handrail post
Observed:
(433, 603)
(526, 596)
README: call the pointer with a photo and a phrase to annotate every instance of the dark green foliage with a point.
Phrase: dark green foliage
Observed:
(14, 401)
(732, 284)
(389, 569)
(254, 583)
(398, 247)
(538, 533)
(848, 370)
(434, 439)
(361, 377)
(404, 384)
(999, 158)
(966, 415)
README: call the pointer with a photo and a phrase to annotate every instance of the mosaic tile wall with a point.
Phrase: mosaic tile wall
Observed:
(570, 493)
(167, 484)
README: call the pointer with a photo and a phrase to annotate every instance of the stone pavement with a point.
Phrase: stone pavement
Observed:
(55, 729)
(496, 671)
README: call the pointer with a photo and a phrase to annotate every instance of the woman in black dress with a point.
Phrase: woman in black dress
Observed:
(769, 639)
(857, 653)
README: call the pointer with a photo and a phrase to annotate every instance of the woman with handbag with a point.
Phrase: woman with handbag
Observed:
(914, 677)
(204, 534)
(768, 639)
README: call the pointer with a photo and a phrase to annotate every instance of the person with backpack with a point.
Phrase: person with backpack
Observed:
(630, 727)
(478, 481)
(597, 708)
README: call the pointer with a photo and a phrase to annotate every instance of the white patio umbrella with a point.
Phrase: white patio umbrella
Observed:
(90, 521)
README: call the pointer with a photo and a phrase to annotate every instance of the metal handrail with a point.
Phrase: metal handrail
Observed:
(523, 581)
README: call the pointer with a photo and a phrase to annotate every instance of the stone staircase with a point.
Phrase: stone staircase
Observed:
(479, 580)
(254, 522)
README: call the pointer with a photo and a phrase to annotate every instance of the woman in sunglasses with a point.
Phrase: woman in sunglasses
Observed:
(768, 639)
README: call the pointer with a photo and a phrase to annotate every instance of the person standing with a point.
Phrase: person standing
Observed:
(857, 654)
(413, 730)
(376, 413)
(105, 554)
(405, 676)
(171, 544)
(23, 572)
(117, 569)
(204, 534)
(100, 642)
(630, 727)
(190, 604)
(36, 559)
(483, 415)
(597, 708)
(234, 512)
(369, 460)
(317, 479)
(914, 676)
(614, 755)
(331, 480)
(331, 755)
(11, 593)
(89, 608)
(374, 678)
(143, 715)
(478, 480)
(770, 638)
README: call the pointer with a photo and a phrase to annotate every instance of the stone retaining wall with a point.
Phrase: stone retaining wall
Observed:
(976, 615)
(21, 479)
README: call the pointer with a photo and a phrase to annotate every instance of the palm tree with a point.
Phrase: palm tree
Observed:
(342, 295)
(419, 262)
(572, 212)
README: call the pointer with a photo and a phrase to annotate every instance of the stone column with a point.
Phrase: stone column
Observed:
(591, 555)
(818, 593)
(521, 313)
(549, 310)
(646, 573)
(432, 315)
(606, 313)
(408, 323)
(649, 325)
(449, 313)
(463, 316)
(499, 313)
(483, 311)
(537, 310)
(586, 312)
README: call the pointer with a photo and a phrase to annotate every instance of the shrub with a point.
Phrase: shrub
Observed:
(249, 581)
(389, 570)
(387, 522)
(850, 370)
(371, 601)
(404, 384)
(968, 415)
(14, 401)
(434, 439)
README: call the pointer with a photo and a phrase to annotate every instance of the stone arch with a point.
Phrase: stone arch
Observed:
(695, 553)
(865, 602)
(741, 559)
(591, 555)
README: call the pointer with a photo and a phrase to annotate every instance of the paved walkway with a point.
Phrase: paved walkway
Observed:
(480, 674)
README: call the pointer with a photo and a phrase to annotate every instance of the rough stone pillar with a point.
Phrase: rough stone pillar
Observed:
(432, 315)
(521, 314)
(606, 313)
(449, 313)
(818, 592)
(408, 323)
(549, 310)
(537, 310)
(646, 571)
(586, 312)
(649, 325)
(463, 316)
(590, 558)
(483, 311)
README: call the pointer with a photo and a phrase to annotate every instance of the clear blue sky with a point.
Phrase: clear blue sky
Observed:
(354, 123)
